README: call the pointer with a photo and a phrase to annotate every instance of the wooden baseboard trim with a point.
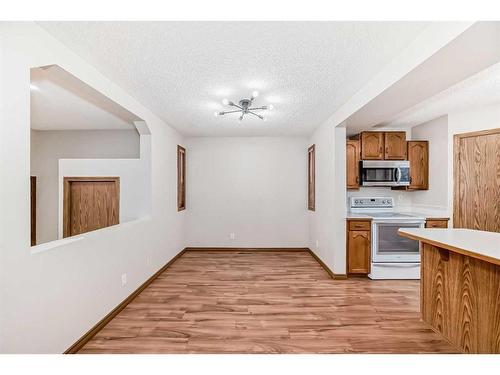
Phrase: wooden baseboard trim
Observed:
(334, 276)
(291, 249)
(100, 325)
(340, 276)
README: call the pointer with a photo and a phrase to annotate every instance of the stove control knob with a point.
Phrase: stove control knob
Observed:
(356, 201)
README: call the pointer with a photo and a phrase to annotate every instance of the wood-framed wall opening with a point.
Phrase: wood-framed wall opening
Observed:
(476, 188)
(90, 203)
(33, 209)
(181, 178)
(311, 178)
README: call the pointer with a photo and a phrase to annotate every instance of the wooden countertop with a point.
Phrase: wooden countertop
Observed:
(474, 243)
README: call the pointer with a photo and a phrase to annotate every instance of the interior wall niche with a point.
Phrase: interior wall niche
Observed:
(311, 178)
(78, 133)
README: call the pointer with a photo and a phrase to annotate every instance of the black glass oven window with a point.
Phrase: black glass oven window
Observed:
(379, 174)
(390, 242)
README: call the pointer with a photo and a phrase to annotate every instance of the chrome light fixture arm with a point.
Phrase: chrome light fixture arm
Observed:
(245, 107)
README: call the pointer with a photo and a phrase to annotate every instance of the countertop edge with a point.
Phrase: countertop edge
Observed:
(452, 248)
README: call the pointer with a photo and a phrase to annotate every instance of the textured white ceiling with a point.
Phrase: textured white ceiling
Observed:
(60, 101)
(479, 90)
(471, 52)
(182, 70)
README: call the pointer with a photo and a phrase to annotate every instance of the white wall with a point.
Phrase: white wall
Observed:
(255, 188)
(47, 147)
(49, 299)
(436, 132)
(327, 222)
(471, 120)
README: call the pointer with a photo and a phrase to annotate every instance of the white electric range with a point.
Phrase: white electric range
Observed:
(392, 256)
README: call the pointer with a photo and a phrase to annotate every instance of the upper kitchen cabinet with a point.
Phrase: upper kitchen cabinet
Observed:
(372, 145)
(352, 161)
(395, 145)
(418, 156)
(383, 146)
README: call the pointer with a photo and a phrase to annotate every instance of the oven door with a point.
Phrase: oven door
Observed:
(389, 247)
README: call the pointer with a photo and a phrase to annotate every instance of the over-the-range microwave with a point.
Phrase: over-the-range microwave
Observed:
(385, 172)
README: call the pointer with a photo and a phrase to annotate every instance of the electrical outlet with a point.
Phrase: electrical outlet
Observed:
(124, 279)
(317, 244)
(148, 260)
(232, 236)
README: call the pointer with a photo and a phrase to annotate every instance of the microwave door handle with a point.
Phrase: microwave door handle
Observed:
(398, 175)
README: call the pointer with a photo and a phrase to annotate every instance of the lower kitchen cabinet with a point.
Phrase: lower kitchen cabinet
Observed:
(358, 247)
(436, 223)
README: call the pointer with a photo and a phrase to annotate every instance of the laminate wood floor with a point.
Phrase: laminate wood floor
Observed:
(267, 302)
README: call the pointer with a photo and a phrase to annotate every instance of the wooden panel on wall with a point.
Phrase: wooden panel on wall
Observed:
(311, 178)
(460, 298)
(476, 180)
(372, 145)
(90, 203)
(395, 145)
(181, 178)
(352, 164)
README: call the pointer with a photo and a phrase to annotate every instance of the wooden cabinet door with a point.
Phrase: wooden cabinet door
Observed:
(359, 252)
(90, 203)
(372, 145)
(395, 145)
(352, 164)
(418, 156)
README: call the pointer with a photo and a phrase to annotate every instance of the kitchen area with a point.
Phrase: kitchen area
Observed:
(383, 170)
(452, 249)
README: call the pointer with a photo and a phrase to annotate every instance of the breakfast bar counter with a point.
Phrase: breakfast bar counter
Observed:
(460, 285)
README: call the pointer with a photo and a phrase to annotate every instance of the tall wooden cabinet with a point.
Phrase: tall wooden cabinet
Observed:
(352, 164)
(418, 156)
(358, 247)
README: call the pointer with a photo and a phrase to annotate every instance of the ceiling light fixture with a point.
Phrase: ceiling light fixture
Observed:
(245, 107)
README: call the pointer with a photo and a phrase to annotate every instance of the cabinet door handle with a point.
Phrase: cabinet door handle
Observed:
(357, 179)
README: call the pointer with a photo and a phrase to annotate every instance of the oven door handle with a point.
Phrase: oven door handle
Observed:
(402, 265)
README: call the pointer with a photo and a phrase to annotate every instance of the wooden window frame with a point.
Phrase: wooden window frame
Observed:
(311, 178)
(67, 201)
(181, 178)
(33, 209)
